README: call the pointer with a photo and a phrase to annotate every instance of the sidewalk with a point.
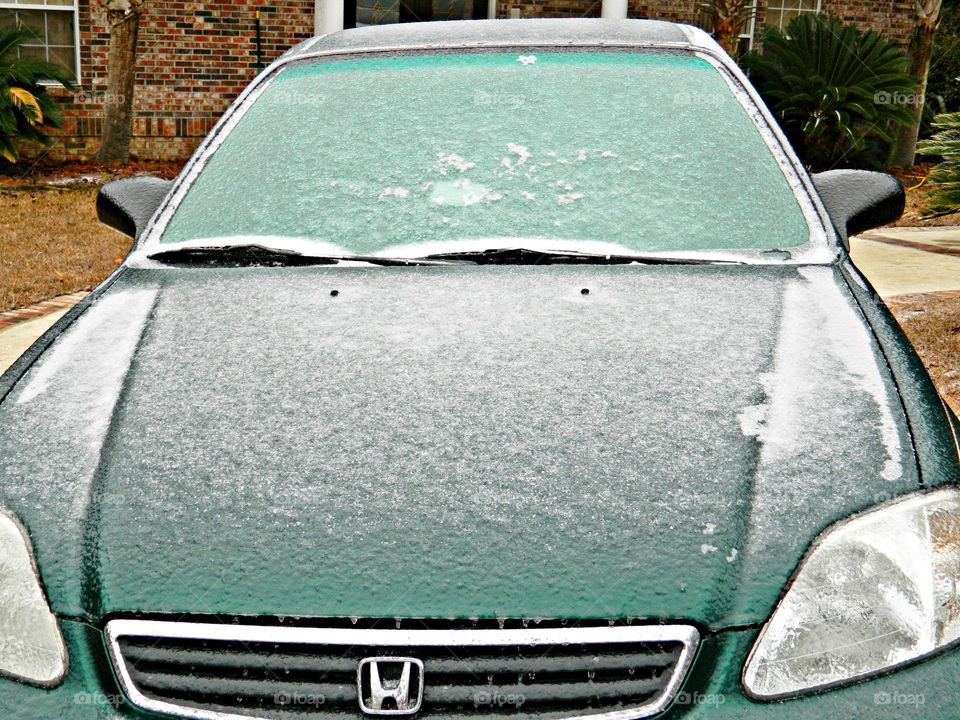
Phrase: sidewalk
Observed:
(20, 328)
(909, 261)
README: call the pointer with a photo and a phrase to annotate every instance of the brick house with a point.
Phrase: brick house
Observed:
(195, 57)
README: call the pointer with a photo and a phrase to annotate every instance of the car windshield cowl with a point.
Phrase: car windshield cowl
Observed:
(257, 255)
(526, 256)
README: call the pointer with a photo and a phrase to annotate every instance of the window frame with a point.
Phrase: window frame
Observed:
(781, 6)
(750, 32)
(73, 7)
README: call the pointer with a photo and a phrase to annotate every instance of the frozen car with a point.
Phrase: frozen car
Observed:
(483, 370)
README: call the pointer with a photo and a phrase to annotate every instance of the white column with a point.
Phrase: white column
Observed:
(491, 9)
(328, 16)
(614, 9)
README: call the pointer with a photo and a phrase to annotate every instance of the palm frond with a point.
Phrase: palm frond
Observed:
(945, 177)
(832, 86)
(27, 112)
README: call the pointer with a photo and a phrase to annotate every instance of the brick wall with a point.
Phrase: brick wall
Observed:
(893, 18)
(195, 58)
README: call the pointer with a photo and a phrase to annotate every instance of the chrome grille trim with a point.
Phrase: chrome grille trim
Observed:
(687, 635)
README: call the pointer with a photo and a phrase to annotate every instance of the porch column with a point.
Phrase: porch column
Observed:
(614, 9)
(328, 16)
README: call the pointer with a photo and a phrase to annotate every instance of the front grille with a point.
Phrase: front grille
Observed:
(201, 670)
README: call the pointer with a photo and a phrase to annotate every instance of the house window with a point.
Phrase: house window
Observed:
(749, 31)
(781, 12)
(53, 24)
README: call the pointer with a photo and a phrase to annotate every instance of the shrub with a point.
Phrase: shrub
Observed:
(945, 177)
(943, 83)
(832, 88)
(27, 112)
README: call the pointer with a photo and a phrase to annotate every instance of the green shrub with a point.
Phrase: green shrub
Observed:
(945, 177)
(943, 83)
(832, 88)
(27, 112)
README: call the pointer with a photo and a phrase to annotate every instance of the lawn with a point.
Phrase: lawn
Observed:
(50, 240)
(51, 244)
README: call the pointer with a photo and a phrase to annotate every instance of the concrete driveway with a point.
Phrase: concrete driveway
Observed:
(898, 261)
(17, 338)
(909, 261)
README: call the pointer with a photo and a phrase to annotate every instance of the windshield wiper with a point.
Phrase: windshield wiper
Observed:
(261, 256)
(524, 256)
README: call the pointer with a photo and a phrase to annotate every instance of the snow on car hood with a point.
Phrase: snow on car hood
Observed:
(450, 441)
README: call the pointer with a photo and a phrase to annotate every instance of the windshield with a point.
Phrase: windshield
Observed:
(595, 151)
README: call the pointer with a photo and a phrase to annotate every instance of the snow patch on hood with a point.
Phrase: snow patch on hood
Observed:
(817, 308)
(114, 324)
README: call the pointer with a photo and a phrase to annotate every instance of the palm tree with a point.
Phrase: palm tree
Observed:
(123, 17)
(727, 19)
(27, 112)
(926, 22)
(831, 87)
(945, 177)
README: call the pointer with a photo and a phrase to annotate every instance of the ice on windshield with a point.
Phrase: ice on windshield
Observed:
(644, 151)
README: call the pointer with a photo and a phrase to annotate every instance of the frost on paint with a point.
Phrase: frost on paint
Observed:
(425, 416)
(846, 348)
(825, 421)
(65, 405)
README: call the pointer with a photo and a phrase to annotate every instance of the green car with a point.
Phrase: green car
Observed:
(483, 370)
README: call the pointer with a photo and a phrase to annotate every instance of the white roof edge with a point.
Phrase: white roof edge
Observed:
(700, 38)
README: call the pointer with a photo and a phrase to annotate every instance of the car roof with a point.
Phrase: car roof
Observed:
(533, 32)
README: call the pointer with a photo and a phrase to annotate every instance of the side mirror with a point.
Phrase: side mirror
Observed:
(127, 205)
(859, 200)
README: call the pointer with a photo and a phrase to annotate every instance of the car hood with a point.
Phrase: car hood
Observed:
(526, 442)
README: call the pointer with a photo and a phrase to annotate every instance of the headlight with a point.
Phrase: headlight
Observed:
(31, 647)
(874, 592)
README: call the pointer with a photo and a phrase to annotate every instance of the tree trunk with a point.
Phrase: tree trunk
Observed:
(728, 18)
(123, 17)
(904, 151)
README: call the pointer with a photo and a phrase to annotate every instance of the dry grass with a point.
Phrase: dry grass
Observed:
(51, 244)
(932, 322)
